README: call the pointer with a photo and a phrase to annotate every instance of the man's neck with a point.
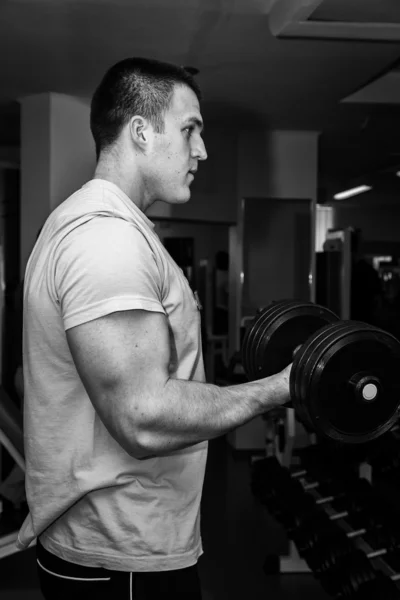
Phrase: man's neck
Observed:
(130, 185)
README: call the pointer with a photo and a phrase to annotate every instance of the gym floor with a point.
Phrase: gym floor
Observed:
(237, 535)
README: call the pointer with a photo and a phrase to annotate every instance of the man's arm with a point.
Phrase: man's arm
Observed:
(123, 360)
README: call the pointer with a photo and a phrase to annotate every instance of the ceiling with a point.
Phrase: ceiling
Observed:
(247, 75)
(360, 11)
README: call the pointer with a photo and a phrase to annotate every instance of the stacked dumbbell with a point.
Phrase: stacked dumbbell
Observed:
(355, 576)
(331, 553)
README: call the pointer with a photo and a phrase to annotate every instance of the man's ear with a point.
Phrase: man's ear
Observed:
(140, 132)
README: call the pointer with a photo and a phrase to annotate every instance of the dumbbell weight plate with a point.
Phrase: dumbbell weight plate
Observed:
(334, 405)
(254, 333)
(276, 332)
(305, 362)
(348, 574)
(304, 359)
(329, 554)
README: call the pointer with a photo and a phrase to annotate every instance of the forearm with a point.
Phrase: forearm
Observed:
(188, 412)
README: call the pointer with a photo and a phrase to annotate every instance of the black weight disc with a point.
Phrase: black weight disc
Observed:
(304, 363)
(360, 572)
(351, 386)
(250, 337)
(310, 354)
(277, 331)
(348, 574)
(256, 333)
(269, 317)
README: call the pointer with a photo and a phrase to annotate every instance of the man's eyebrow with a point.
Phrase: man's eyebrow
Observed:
(196, 121)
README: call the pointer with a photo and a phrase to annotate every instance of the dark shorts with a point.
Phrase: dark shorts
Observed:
(62, 580)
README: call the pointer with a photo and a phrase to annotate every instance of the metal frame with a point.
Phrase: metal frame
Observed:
(344, 236)
(236, 274)
(289, 19)
(8, 541)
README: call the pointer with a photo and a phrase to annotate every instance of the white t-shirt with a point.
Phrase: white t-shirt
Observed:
(90, 502)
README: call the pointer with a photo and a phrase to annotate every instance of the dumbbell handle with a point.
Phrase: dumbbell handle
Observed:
(312, 486)
(326, 500)
(350, 534)
(377, 554)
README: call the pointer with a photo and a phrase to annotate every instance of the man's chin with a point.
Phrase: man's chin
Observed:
(182, 199)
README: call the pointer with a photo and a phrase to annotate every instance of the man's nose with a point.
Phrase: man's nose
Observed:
(199, 150)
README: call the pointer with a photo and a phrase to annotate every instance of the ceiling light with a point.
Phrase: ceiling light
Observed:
(352, 192)
(398, 173)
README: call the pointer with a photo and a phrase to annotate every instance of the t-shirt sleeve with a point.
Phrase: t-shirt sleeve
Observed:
(105, 266)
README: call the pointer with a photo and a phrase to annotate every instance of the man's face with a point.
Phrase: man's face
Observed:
(176, 152)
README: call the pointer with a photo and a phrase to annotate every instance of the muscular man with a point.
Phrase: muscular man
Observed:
(117, 412)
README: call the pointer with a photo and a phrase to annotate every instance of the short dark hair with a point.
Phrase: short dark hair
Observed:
(134, 86)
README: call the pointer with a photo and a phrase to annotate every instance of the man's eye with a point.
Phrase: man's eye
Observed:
(188, 131)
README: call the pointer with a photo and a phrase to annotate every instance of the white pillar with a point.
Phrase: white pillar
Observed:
(292, 164)
(57, 158)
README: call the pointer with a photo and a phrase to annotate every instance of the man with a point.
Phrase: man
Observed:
(117, 414)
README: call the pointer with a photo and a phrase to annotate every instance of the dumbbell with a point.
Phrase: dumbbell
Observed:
(382, 532)
(283, 495)
(265, 469)
(353, 575)
(344, 381)
(327, 555)
(268, 476)
(317, 530)
(288, 501)
(304, 508)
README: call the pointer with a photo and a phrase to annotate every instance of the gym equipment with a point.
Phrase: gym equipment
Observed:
(283, 494)
(300, 513)
(307, 506)
(366, 514)
(340, 546)
(352, 575)
(382, 587)
(11, 437)
(343, 382)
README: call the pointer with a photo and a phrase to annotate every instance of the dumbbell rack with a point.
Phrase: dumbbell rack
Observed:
(292, 562)
(378, 562)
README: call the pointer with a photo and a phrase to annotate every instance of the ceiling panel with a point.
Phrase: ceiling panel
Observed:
(358, 11)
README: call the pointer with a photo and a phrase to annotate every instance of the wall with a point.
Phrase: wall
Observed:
(277, 164)
(277, 236)
(57, 157)
(376, 222)
(35, 169)
(69, 131)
